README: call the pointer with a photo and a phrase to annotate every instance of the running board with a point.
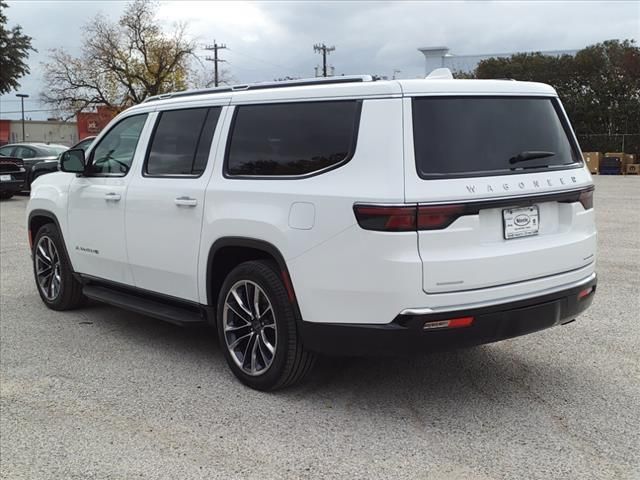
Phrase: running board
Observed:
(153, 308)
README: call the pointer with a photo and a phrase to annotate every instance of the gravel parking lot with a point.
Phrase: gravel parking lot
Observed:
(106, 394)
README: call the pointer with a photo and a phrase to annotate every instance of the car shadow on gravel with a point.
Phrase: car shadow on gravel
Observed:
(485, 373)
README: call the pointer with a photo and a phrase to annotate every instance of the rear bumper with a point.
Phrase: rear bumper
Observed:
(13, 186)
(406, 333)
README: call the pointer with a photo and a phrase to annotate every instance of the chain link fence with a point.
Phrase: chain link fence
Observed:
(603, 142)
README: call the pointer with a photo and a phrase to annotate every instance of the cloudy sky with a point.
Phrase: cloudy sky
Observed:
(268, 40)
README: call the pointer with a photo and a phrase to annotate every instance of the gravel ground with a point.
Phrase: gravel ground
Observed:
(106, 394)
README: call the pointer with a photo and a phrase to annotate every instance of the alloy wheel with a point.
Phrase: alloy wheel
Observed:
(47, 262)
(249, 325)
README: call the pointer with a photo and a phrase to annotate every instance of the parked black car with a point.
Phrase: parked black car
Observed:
(12, 176)
(49, 166)
(32, 154)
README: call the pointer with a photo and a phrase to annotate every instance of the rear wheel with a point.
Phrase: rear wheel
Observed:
(56, 284)
(257, 328)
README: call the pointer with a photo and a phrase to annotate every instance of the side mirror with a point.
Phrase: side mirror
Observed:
(72, 161)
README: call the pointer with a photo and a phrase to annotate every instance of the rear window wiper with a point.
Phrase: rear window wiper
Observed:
(530, 155)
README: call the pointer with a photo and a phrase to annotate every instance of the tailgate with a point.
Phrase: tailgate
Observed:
(480, 249)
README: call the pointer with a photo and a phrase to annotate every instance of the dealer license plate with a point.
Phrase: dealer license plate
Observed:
(5, 178)
(520, 222)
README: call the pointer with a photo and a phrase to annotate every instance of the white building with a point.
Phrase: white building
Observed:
(439, 56)
(41, 131)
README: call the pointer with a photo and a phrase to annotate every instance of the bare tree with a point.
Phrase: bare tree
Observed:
(121, 63)
(201, 75)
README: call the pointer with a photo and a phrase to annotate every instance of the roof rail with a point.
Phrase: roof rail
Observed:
(264, 85)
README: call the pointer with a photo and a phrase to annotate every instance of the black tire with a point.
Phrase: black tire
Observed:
(69, 294)
(6, 195)
(291, 361)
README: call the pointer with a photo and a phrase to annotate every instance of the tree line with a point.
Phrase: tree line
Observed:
(599, 87)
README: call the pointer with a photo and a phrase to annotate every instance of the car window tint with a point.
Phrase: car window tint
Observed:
(204, 146)
(292, 138)
(114, 153)
(181, 141)
(24, 152)
(479, 135)
(6, 151)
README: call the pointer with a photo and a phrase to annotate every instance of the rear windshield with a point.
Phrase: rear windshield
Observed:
(474, 136)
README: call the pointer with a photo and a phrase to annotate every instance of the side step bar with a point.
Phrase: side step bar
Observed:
(153, 308)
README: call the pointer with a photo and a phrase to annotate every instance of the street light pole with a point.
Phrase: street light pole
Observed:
(22, 96)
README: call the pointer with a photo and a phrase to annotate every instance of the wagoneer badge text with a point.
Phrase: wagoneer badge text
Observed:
(506, 187)
(87, 250)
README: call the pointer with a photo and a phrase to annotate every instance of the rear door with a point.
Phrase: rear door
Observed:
(165, 201)
(502, 191)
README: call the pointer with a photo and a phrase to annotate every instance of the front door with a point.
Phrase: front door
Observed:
(96, 242)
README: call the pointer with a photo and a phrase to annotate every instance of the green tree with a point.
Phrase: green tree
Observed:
(121, 63)
(14, 51)
(599, 86)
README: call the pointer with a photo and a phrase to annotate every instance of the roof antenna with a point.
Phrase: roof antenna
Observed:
(440, 74)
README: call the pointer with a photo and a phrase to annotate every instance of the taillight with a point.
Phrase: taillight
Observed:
(586, 199)
(438, 216)
(406, 218)
(386, 218)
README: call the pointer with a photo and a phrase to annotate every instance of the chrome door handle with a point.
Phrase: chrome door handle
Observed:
(112, 197)
(186, 201)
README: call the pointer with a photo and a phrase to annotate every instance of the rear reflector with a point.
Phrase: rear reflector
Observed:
(585, 293)
(453, 323)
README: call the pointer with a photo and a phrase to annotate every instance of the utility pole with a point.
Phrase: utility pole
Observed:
(395, 72)
(22, 96)
(322, 48)
(215, 47)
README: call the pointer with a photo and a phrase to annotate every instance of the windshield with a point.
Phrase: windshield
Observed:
(471, 136)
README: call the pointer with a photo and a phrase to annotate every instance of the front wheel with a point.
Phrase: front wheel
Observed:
(56, 284)
(257, 328)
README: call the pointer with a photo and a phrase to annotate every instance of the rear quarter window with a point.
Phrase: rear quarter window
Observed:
(292, 139)
(474, 136)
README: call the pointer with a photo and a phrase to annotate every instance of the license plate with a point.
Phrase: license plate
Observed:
(5, 178)
(520, 222)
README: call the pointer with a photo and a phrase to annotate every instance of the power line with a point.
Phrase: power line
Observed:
(215, 47)
(324, 50)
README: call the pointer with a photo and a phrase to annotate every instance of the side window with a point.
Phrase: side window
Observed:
(6, 151)
(24, 152)
(290, 139)
(114, 154)
(181, 142)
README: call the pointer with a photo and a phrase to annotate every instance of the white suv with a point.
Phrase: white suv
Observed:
(340, 216)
